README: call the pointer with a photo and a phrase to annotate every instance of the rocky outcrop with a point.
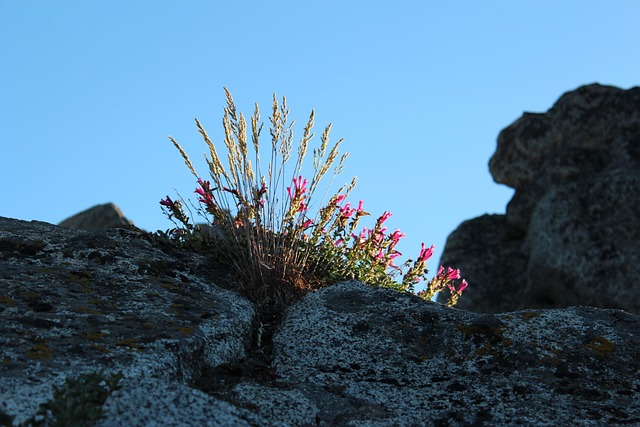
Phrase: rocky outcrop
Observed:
(192, 351)
(99, 217)
(73, 301)
(571, 233)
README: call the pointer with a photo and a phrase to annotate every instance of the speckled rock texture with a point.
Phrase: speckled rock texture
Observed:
(74, 301)
(394, 359)
(571, 233)
(100, 217)
(193, 353)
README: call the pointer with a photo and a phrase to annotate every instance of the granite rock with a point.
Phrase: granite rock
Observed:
(194, 352)
(571, 233)
(99, 217)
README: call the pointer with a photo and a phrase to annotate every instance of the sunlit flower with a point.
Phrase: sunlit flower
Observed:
(397, 235)
(385, 216)
(425, 253)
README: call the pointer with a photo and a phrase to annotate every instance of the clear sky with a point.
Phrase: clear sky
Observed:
(89, 92)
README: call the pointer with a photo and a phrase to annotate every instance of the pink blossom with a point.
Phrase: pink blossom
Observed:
(338, 199)
(307, 223)
(425, 253)
(397, 235)
(463, 286)
(360, 206)
(380, 255)
(232, 191)
(346, 211)
(167, 202)
(206, 186)
(299, 187)
(205, 192)
(453, 274)
(450, 274)
(392, 256)
(385, 216)
(263, 189)
(261, 193)
(380, 234)
(339, 242)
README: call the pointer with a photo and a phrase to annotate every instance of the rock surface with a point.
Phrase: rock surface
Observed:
(99, 217)
(348, 355)
(571, 233)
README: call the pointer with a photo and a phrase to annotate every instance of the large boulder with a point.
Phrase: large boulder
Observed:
(571, 233)
(193, 352)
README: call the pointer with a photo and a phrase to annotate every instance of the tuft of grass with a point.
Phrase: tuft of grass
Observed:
(261, 222)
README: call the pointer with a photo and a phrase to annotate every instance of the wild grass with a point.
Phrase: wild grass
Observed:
(260, 211)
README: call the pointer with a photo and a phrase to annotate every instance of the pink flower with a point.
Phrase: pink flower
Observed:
(385, 216)
(380, 255)
(392, 256)
(167, 202)
(299, 187)
(425, 253)
(463, 286)
(307, 223)
(397, 235)
(263, 189)
(338, 199)
(453, 274)
(206, 186)
(363, 234)
(360, 206)
(205, 192)
(450, 274)
(339, 242)
(261, 192)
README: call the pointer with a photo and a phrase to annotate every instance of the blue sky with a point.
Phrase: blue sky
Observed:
(418, 89)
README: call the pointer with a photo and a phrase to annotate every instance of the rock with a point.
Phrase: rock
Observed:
(571, 233)
(395, 359)
(193, 352)
(73, 301)
(99, 217)
(489, 253)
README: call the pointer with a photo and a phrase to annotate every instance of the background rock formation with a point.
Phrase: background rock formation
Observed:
(99, 217)
(571, 233)
(193, 353)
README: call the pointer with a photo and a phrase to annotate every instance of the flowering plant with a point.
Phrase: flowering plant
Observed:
(280, 248)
